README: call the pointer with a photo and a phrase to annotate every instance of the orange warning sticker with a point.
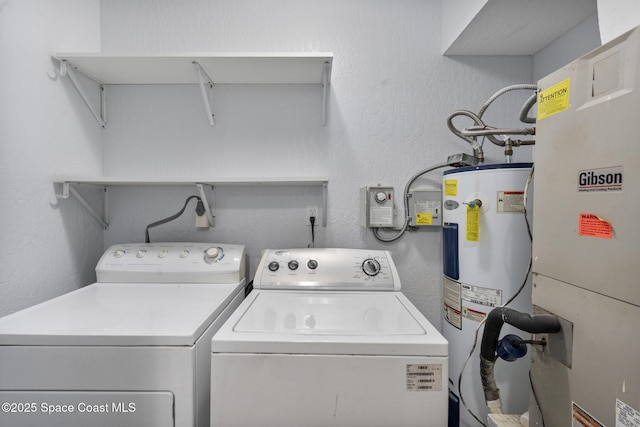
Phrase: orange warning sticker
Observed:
(594, 226)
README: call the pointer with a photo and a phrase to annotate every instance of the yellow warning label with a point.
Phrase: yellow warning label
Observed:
(424, 218)
(450, 187)
(553, 100)
(473, 223)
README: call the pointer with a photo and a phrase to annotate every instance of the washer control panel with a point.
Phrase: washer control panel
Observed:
(327, 268)
(172, 262)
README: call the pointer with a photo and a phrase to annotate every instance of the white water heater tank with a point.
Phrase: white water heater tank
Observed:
(486, 254)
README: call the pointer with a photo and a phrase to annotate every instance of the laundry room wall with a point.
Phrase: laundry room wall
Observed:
(576, 42)
(391, 92)
(47, 246)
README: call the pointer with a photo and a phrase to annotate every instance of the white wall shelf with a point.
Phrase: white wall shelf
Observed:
(508, 27)
(205, 189)
(204, 69)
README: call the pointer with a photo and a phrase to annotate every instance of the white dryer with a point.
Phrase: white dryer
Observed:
(132, 349)
(326, 338)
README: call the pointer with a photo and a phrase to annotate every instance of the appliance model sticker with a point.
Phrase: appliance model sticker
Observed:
(453, 316)
(483, 296)
(452, 302)
(600, 180)
(473, 223)
(424, 377)
(451, 187)
(553, 100)
(593, 226)
(626, 416)
(473, 315)
(581, 418)
(510, 201)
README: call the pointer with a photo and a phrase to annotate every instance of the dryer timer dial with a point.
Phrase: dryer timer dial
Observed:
(213, 254)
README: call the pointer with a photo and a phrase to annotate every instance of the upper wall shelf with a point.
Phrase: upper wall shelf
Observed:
(205, 69)
(204, 186)
(508, 27)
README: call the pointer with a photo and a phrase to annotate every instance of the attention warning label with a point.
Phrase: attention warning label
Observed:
(553, 100)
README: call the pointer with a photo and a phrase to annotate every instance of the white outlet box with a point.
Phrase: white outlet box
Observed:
(312, 210)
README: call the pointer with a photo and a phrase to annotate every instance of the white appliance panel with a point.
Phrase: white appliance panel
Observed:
(281, 390)
(327, 269)
(328, 313)
(356, 323)
(172, 263)
(108, 314)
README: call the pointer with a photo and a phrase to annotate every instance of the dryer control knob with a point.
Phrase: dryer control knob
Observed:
(212, 255)
(274, 266)
(371, 267)
(293, 264)
(312, 264)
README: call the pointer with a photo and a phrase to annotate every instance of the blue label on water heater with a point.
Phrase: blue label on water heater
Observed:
(450, 258)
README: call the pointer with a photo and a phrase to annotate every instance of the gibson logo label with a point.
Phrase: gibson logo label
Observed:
(603, 179)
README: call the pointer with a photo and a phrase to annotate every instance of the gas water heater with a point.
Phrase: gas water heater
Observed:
(486, 255)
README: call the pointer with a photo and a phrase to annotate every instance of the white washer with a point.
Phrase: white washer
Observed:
(327, 338)
(132, 349)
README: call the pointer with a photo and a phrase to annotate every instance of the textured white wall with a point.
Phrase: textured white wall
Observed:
(576, 42)
(47, 246)
(391, 92)
(617, 17)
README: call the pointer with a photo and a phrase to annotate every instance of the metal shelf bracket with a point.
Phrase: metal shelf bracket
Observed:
(203, 189)
(66, 70)
(103, 220)
(204, 80)
(326, 71)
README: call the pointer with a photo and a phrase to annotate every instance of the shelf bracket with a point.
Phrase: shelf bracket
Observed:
(67, 190)
(66, 70)
(326, 71)
(205, 200)
(324, 203)
(204, 80)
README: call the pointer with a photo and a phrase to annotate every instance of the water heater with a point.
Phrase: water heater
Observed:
(486, 255)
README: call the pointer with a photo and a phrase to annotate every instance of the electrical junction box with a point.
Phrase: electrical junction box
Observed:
(376, 207)
(425, 208)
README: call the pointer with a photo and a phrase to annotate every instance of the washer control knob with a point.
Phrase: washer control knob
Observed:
(312, 264)
(119, 253)
(293, 264)
(371, 267)
(212, 255)
(274, 266)
(163, 253)
(184, 254)
(141, 253)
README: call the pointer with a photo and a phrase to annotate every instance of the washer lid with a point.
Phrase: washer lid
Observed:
(329, 323)
(121, 314)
